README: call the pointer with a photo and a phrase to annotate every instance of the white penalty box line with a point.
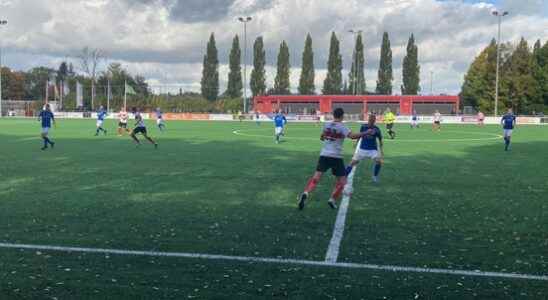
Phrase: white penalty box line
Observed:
(251, 259)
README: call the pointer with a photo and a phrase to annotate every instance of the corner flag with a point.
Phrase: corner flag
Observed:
(130, 90)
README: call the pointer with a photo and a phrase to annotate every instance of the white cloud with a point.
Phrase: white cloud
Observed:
(164, 40)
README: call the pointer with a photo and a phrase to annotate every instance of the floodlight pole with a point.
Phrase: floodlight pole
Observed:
(431, 82)
(245, 20)
(499, 17)
(2, 22)
(355, 60)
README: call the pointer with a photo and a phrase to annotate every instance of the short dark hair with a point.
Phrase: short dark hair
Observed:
(338, 113)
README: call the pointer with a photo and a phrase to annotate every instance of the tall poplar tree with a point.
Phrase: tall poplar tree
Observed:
(411, 69)
(384, 76)
(210, 71)
(332, 84)
(282, 85)
(258, 74)
(306, 82)
(356, 77)
(234, 88)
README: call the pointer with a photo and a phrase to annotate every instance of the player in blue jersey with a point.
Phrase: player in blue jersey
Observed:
(47, 118)
(508, 122)
(414, 120)
(142, 129)
(279, 123)
(369, 147)
(257, 118)
(101, 115)
(160, 119)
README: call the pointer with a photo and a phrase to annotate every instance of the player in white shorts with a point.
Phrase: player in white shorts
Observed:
(279, 123)
(160, 119)
(436, 126)
(122, 122)
(368, 147)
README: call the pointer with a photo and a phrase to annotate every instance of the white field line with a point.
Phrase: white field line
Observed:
(494, 137)
(332, 253)
(389, 268)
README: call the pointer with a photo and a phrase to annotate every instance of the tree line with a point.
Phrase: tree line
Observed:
(333, 83)
(523, 83)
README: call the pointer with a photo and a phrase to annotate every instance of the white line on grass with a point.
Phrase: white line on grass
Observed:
(494, 137)
(276, 261)
(338, 231)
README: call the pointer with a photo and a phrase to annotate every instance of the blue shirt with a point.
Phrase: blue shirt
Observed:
(369, 141)
(280, 120)
(101, 115)
(508, 121)
(46, 116)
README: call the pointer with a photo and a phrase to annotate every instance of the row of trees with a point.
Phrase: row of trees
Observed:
(333, 83)
(523, 78)
(99, 86)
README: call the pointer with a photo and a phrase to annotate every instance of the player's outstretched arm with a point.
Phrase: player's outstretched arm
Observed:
(356, 136)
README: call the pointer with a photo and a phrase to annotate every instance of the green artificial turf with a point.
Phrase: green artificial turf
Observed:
(451, 200)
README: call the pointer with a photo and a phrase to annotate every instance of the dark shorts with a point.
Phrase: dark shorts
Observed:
(142, 130)
(389, 125)
(122, 125)
(335, 164)
(437, 122)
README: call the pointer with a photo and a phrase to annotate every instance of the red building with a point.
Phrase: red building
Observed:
(356, 105)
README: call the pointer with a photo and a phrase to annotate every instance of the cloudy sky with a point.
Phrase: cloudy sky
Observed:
(164, 40)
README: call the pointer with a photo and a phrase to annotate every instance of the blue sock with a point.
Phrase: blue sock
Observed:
(45, 142)
(377, 170)
(348, 170)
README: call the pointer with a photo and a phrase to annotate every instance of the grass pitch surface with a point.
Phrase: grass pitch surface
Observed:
(450, 200)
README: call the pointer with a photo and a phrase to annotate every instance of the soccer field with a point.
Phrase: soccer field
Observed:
(213, 213)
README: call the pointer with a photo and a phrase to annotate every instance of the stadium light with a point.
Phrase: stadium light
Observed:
(2, 22)
(499, 16)
(355, 61)
(245, 20)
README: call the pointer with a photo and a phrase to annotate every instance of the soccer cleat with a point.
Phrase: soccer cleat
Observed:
(44, 148)
(332, 204)
(52, 145)
(105, 132)
(302, 200)
(155, 146)
(97, 133)
(375, 179)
